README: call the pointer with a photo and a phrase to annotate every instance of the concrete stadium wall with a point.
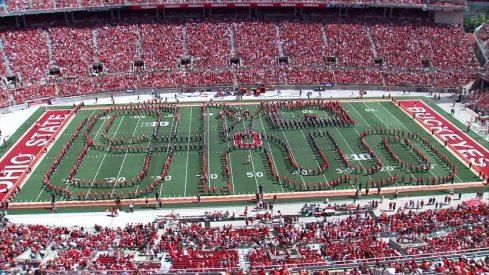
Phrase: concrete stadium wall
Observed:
(449, 17)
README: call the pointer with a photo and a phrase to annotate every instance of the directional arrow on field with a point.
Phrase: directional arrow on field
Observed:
(197, 175)
(211, 114)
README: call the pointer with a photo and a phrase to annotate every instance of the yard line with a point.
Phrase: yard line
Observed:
(252, 163)
(230, 162)
(188, 151)
(125, 156)
(408, 131)
(102, 162)
(317, 163)
(208, 148)
(269, 148)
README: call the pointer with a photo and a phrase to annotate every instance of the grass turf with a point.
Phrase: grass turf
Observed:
(185, 171)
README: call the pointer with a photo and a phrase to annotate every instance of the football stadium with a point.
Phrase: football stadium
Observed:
(243, 137)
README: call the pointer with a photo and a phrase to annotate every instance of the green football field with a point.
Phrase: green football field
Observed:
(199, 151)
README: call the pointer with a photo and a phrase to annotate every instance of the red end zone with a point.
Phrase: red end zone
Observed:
(18, 162)
(462, 144)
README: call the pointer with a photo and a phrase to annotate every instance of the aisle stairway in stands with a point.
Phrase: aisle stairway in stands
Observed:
(280, 43)
(5, 58)
(232, 35)
(95, 44)
(325, 35)
(185, 41)
(139, 45)
(374, 47)
(50, 47)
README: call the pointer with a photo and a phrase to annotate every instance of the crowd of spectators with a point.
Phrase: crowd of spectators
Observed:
(117, 46)
(157, 51)
(191, 246)
(256, 42)
(23, 5)
(303, 42)
(27, 52)
(349, 43)
(72, 50)
(94, 57)
(209, 43)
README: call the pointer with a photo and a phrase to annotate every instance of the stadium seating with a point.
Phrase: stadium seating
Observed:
(28, 53)
(348, 42)
(117, 46)
(209, 43)
(91, 57)
(157, 51)
(72, 50)
(191, 247)
(25, 5)
(256, 42)
(303, 42)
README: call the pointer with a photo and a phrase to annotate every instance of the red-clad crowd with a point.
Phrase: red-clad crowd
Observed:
(349, 43)
(256, 42)
(72, 49)
(287, 244)
(303, 42)
(28, 53)
(116, 46)
(90, 57)
(209, 43)
(23, 5)
(157, 51)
